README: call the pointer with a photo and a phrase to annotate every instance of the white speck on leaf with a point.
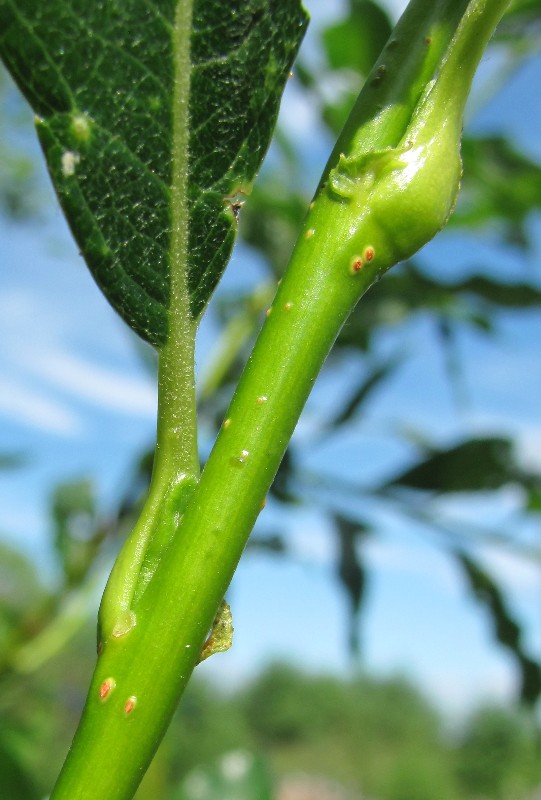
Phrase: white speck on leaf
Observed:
(69, 163)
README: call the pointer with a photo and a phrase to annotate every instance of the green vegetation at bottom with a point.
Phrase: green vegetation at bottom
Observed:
(284, 733)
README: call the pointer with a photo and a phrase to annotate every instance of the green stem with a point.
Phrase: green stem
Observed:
(391, 166)
(176, 461)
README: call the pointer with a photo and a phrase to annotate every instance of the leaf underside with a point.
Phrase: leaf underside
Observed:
(101, 78)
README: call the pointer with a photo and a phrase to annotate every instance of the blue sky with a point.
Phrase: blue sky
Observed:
(76, 400)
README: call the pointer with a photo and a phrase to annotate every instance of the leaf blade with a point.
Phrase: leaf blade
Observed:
(114, 84)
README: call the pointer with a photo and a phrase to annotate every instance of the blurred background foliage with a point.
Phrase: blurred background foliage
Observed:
(289, 735)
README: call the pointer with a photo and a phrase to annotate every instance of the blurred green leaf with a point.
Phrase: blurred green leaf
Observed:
(24, 603)
(12, 460)
(500, 183)
(76, 534)
(408, 291)
(270, 221)
(374, 377)
(505, 295)
(356, 42)
(274, 544)
(336, 111)
(19, 195)
(351, 45)
(521, 24)
(15, 782)
(533, 499)
(473, 466)
(282, 488)
(506, 628)
(351, 571)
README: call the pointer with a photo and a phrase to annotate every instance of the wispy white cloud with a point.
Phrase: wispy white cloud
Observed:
(93, 383)
(408, 559)
(312, 540)
(39, 371)
(34, 408)
(514, 571)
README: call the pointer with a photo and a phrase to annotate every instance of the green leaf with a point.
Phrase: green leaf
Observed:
(77, 536)
(500, 185)
(272, 220)
(408, 291)
(23, 601)
(154, 117)
(471, 466)
(522, 22)
(283, 486)
(336, 111)
(356, 42)
(14, 776)
(10, 461)
(371, 381)
(506, 629)
(351, 572)
(505, 295)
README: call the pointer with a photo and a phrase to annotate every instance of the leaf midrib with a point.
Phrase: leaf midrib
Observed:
(177, 425)
(179, 308)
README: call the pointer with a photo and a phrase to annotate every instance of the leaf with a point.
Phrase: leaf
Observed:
(369, 382)
(154, 117)
(408, 290)
(77, 535)
(19, 193)
(14, 775)
(500, 184)
(11, 461)
(272, 220)
(505, 295)
(351, 572)
(283, 486)
(472, 466)
(270, 544)
(522, 21)
(506, 629)
(352, 45)
(336, 111)
(356, 42)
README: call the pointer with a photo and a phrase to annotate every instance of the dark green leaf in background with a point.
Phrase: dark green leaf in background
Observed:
(475, 465)
(506, 628)
(471, 466)
(351, 572)
(500, 183)
(371, 381)
(76, 534)
(11, 460)
(352, 47)
(355, 42)
(14, 779)
(521, 23)
(19, 192)
(109, 81)
(409, 291)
